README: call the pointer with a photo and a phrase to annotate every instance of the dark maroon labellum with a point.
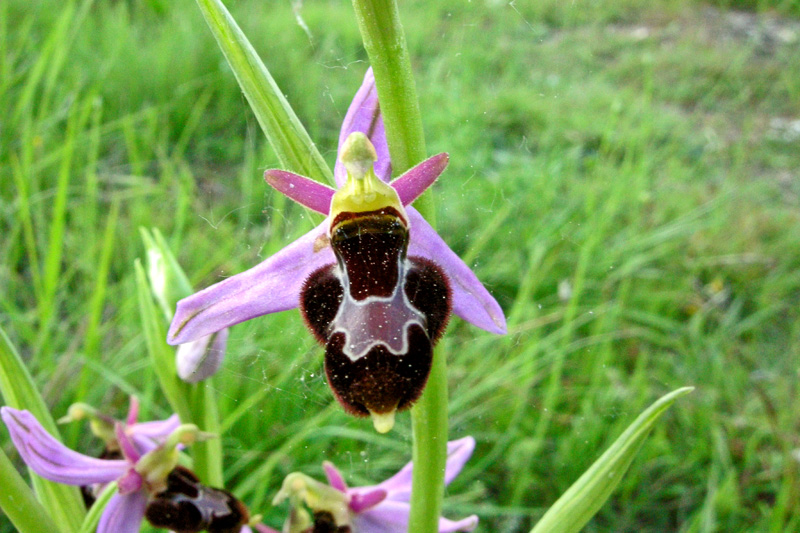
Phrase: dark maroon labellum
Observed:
(188, 506)
(325, 523)
(377, 311)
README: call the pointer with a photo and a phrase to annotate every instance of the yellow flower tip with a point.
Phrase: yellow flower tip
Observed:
(383, 422)
(363, 191)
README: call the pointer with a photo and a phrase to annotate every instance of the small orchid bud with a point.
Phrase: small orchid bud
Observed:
(101, 425)
(167, 279)
(200, 359)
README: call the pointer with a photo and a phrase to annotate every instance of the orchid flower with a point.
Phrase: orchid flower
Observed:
(375, 282)
(145, 435)
(382, 508)
(147, 474)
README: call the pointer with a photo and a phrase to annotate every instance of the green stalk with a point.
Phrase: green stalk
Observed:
(384, 40)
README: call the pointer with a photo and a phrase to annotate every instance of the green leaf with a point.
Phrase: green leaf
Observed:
(585, 497)
(19, 391)
(19, 503)
(195, 404)
(162, 355)
(283, 129)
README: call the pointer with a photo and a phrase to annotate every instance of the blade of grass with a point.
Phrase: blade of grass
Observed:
(585, 497)
(19, 503)
(283, 129)
(19, 391)
(96, 511)
(96, 303)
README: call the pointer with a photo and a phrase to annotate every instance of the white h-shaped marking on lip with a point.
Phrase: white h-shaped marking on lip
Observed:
(376, 320)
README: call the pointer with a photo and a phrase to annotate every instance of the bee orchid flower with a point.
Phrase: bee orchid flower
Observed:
(150, 483)
(382, 508)
(375, 282)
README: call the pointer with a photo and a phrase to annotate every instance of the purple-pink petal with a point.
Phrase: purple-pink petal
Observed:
(416, 180)
(471, 300)
(363, 500)
(335, 478)
(126, 445)
(200, 359)
(52, 460)
(458, 453)
(398, 486)
(364, 115)
(157, 429)
(449, 526)
(304, 191)
(147, 435)
(124, 513)
(271, 286)
(131, 481)
(392, 517)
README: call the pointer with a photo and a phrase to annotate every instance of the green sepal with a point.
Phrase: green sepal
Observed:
(585, 497)
(63, 502)
(283, 129)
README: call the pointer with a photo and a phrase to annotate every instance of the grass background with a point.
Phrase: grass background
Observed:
(623, 177)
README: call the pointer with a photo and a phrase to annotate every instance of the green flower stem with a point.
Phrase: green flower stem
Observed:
(379, 22)
(19, 503)
(382, 33)
(429, 424)
(205, 414)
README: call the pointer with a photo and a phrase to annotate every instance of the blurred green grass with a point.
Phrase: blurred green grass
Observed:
(623, 177)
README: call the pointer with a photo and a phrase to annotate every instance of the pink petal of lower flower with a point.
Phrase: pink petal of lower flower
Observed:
(124, 513)
(157, 429)
(133, 411)
(302, 190)
(449, 526)
(147, 435)
(458, 453)
(335, 478)
(398, 487)
(273, 285)
(361, 501)
(471, 300)
(126, 445)
(392, 517)
(131, 481)
(364, 115)
(413, 183)
(51, 459)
